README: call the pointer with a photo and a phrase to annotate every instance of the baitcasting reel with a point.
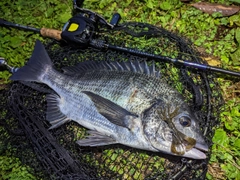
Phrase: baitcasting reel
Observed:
(82, 29)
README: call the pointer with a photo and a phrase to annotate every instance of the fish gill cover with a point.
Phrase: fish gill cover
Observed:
(54, 154)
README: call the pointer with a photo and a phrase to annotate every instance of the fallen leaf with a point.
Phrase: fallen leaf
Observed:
(215, 170)
(233, 91)
(211, 8)
(212, 61)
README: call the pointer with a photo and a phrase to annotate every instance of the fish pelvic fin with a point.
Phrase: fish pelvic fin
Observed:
(96, 139)
(54, 115)
(36, 67)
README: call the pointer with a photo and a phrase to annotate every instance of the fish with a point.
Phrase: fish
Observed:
(125, 103)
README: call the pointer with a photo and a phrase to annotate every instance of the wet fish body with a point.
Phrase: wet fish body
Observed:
(120, 102)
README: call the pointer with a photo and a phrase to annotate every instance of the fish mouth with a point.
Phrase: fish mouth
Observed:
(195, 154)
(197, 151)
(202, 147)
(188, 147)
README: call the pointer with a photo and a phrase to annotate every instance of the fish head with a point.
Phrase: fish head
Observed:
(188, 128)
(175, 130)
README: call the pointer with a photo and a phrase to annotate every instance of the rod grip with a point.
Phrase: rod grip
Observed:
(51, 33)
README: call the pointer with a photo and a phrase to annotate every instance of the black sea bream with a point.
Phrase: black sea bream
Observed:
(119, 102)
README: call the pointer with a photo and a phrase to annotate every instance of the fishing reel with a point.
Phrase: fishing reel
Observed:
(82, 29)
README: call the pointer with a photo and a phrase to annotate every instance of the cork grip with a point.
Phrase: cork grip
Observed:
(52, 33)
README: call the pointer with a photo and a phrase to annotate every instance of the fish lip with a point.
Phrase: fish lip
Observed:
(197, 152)
(202, 146)
(194, 153)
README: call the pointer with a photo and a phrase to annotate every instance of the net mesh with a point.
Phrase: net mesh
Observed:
(53, 154)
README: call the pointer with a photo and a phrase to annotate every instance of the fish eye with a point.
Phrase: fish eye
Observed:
(185, 121)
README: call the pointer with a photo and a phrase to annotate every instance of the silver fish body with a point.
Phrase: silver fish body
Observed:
(123, 103)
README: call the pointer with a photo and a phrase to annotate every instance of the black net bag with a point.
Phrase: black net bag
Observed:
(53, 154)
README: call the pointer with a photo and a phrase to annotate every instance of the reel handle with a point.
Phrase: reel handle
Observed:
(51, 33)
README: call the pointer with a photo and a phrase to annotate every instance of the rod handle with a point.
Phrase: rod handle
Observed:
(51, 33)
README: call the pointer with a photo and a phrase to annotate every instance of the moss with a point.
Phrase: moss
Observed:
(12, 169)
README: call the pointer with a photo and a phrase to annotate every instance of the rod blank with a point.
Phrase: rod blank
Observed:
(177, 61)
(18, 26)
(45, 32)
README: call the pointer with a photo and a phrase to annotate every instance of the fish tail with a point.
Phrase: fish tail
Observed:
(37, 66)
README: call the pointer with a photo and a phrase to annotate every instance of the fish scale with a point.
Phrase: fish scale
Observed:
(116, 89)
(120, 102)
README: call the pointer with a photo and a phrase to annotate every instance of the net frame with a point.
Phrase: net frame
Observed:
(55, 154)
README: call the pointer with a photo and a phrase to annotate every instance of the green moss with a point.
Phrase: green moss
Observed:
(12, 169)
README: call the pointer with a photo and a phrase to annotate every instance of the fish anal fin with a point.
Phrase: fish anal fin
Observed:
(54, 115)
(96, 139)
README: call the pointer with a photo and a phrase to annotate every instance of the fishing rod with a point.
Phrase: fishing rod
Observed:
(5, 66)
(81, 30)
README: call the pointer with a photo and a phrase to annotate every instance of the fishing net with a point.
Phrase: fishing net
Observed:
(53, 154)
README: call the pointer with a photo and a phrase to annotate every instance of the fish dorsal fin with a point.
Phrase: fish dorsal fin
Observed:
(133, 66)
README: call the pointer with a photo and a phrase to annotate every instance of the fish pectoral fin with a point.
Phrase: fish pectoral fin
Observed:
(54, 116)
(96, 139)
(113, 112)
